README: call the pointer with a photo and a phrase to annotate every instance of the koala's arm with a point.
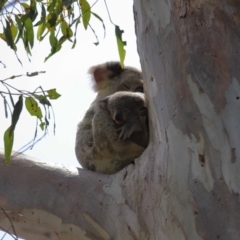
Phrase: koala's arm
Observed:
(84, 138)
(131, 126)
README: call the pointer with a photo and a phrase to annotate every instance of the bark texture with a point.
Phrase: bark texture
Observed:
(186, 185)
(190, 55)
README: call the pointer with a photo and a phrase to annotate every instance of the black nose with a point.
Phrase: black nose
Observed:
(118, 115)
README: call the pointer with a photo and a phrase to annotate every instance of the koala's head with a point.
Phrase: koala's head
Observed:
(110, 77)
(124, 106)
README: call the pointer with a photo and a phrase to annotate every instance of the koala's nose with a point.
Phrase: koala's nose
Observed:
(119, 117)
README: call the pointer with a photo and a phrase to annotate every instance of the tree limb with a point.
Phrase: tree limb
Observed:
(51, 201)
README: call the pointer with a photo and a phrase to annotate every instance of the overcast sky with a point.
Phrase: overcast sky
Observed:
(67, 72)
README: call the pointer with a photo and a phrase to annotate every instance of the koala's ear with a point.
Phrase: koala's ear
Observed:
(103, 102)
(138, 97)
(102, 73)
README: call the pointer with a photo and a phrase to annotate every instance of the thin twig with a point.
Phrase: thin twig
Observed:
(10, 220)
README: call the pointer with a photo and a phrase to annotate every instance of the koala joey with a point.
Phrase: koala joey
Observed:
(120, 132)
(107, 79)
(128, 111)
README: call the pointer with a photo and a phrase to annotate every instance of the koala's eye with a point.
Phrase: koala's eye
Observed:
(139, 89)
(126, 87)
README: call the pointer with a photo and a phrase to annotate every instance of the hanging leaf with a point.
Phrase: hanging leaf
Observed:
(29, 31)
(16, 113)
(8, 144)
(2, 3)
(43, 16)
(86, 12)
(121, 44)
(100, 19)
(52, 19)
(64, 27)
(40, 31)
(5, 107)
(33, 108)
(42, 99)
(8, 36)
(26, 7)
(14, 31)
(42, 125)
(2, 36)
(52, 94)
(52, 38)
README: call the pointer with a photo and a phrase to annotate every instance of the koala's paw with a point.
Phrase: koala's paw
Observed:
(125, 132)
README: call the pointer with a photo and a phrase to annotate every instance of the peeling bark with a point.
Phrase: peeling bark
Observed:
(186, 185)
(190, 58)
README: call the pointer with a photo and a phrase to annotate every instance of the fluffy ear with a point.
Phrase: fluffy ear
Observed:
(103, 103)
(138, 97)
(102, 73)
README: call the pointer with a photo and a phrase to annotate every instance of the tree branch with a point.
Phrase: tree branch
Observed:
(51, 201)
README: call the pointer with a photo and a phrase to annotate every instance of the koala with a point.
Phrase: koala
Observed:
(127, 110)
(120, 132)
(107, 78)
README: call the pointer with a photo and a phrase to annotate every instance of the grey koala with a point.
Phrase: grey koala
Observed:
(120, 132)
(107, 79)
(127, 110)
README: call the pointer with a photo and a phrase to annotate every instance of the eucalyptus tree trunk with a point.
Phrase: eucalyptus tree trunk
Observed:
(190, 55)
(186, 184)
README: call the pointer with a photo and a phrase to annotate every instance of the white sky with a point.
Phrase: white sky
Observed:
(67, 72)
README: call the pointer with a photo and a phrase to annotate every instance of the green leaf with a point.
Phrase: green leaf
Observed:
(64, 27)
(8, 35)
(42, 125)
(52, 39)
(86, 12)
(56, 45)
(26, 7)
(52, 94)
(75, 33)
(32, 14)
(10, 96)
(33, 108)
(52, 19)
(51, 6)
(66, 30)
(40, 31)
(5, 107)
(2, 36)
(43, 16)
(121, 44)
(16, 113)
(29, 31)
(14, 31)
(42, 99)
(100, 19)
(26, 43)
(19, 26)
(8, 144)
(2, 3)
(74, 43)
